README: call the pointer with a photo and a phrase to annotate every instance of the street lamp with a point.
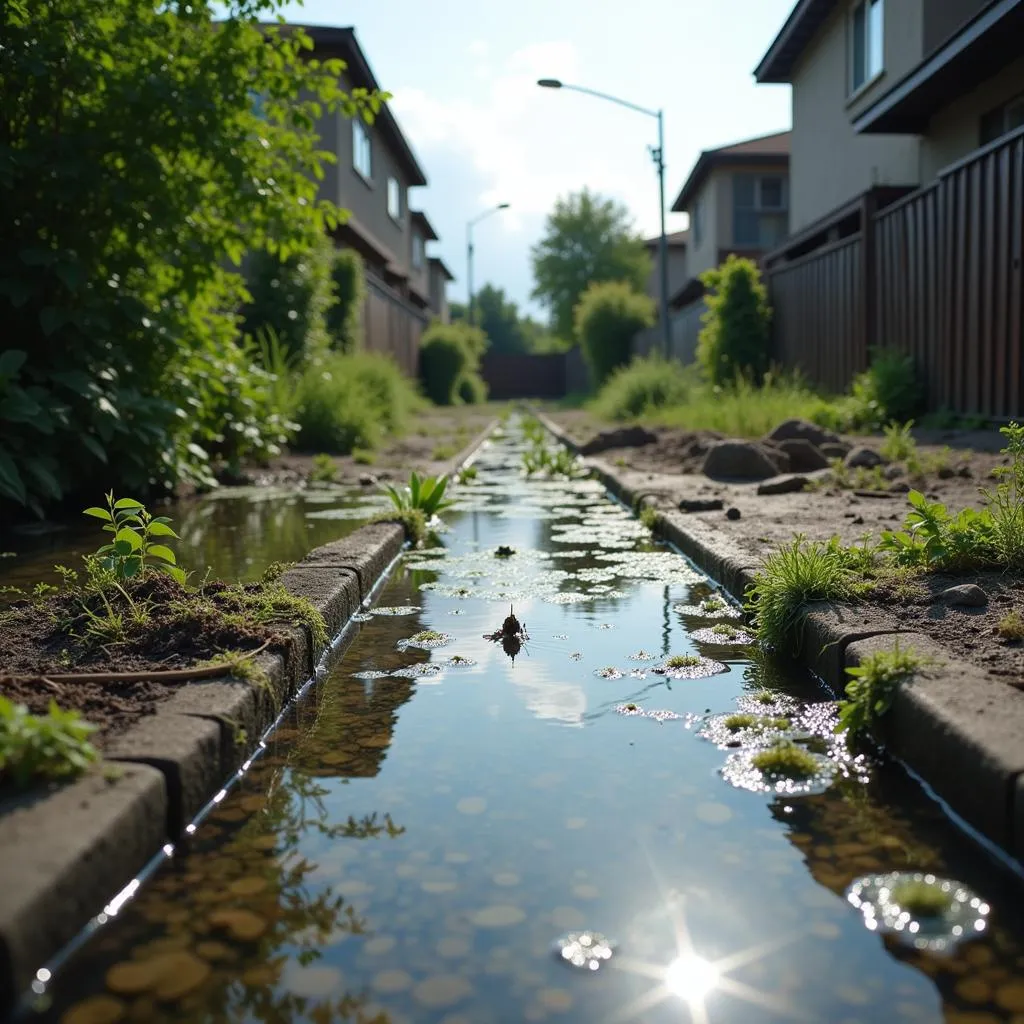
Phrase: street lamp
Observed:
(469, 252)
(658, 154)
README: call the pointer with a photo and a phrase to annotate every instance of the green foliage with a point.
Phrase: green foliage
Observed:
(649, 517)
(348, 402)
(934, 538)
(872, 687)
(555, 462)
(423, 494)
(586, 240)
(647, 384)
(466, 474)
(683, 660)
(137, 171)
(734, 723)
(920, 898)
(793, 576)
(498, 317)
(889, 391)
(36, 748)
(324, 470)
(449, 363)
(786, 760)
(292, 297)
(607, 318)
(1011, 626)
(345, 316)
(899, 444)
(734, 341)
(1006, 501)
(132, 551)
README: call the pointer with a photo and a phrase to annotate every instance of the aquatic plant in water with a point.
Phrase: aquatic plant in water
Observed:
(426, 639)
(724, 634)
(689, 666)
(608, 672)
(920, 910)
(635, 711)
(782, 767)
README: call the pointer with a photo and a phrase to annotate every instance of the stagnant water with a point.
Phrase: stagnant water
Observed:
(410, 846)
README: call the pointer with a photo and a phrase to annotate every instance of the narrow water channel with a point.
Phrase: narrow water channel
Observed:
(433, 825)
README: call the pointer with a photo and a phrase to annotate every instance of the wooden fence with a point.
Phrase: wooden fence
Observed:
(937, 274)
(392, 326)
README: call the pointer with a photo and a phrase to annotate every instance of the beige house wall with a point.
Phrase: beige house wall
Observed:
(725, 207)
(704, 256)
(956, 131)
(829, 162)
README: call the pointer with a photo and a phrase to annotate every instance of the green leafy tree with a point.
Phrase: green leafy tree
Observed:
(144, 148)
(587, 239)
(608, 317)
(735, 338)
(498, 318)
(450, 361)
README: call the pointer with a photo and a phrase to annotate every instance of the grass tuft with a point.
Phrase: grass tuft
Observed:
(873, 685)
(786, 760)
(683, 661)
(1011, 626)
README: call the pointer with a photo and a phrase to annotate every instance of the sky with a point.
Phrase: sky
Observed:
(462, 74)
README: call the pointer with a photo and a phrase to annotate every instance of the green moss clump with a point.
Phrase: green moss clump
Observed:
(920, 899)
(683, 661)
(427, 636)
(787, 761)
(765, 697)
(734, 723)
(724, 629)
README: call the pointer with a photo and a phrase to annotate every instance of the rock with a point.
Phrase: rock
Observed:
(804, 457)
(788, 483)
(802, 430)
(743, 460)
(367, 480)
(701, 504)
(732, 513)
(899, 487)
(618, 437)
(863, 457)
(834, 449)
(964, 595)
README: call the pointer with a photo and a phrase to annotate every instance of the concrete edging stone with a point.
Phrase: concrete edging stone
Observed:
(67, 851)
(955, 726)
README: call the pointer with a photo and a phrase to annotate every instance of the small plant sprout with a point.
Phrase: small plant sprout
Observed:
(649, 517)
(466, 474)
(873, 686)
(715, 603)
(1011, 626)
(786, 760)
(919, 899)
(683, 661)
(765, 697)
(46, 747)
(724, 629)
(898, 445)
(504, 551)
(132, 551)
(324, 470)
(425, 495)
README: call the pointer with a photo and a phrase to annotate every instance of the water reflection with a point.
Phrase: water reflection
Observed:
(409, 848)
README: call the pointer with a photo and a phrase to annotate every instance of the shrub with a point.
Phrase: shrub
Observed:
(449, 362)
(607, 317)
(888, 391)
(42, 747)
(345, 316)
(292, 297)
(646, 384)
(351, 401)
(734, 340)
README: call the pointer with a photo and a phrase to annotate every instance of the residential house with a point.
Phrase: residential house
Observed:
(907, 171)
(372, 178)
(440, 278)
(676, 242)
(737, 199)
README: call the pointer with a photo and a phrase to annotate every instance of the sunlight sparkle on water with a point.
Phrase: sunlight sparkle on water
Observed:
(690, 977)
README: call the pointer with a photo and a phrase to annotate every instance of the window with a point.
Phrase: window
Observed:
(760, 217)
(867, 39)
(394, 199)
(417, 252)
(698, 221)
(1003, 119)
(362, 154)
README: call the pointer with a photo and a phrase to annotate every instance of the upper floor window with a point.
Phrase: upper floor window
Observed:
(697, 220)
(417, 252)
(867, 41)
(1005, 118)
(394, 199)
(760, 215)
(362, 153)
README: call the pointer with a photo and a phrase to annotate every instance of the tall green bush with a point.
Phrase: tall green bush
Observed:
(136, 172)
(293, 297)
(608, 317)
(349, 401)
(345, 317)
(645, 385)
(735, 338)
(450, 361)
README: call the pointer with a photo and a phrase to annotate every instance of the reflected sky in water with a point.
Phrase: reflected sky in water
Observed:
(413, 849)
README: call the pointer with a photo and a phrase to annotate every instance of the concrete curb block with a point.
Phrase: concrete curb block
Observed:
(66, 852)
(958, 728)
(52, 886)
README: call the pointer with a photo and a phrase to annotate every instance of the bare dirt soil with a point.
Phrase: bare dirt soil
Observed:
(669, 471)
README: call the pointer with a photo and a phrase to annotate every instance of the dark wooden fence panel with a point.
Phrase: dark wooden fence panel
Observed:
(392, 326)
(818, 314)
(938, 275)
(524, 376)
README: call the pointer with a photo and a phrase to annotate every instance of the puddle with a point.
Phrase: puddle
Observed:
(443, 834)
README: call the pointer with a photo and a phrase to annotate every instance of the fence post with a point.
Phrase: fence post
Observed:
(868, 277)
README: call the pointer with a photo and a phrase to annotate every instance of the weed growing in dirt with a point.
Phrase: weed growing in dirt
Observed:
(442, 452)
(1006, 500)
(466, 474)
(873, 685)
(786, 760)
(132, 550)
(934, 538)
(1011, 626)
(46, 747)
(793, 576)
(364, 456)
(324, 470)
(898, 444)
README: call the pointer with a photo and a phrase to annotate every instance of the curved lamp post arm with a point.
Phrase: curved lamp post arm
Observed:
(469, 255)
